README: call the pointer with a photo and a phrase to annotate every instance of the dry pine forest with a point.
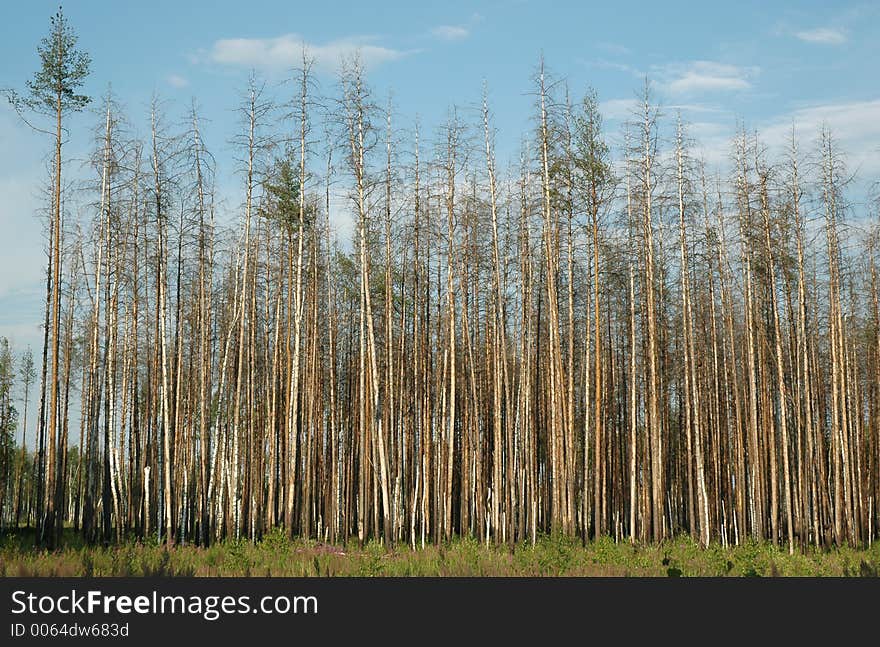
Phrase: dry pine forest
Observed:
(603, 337)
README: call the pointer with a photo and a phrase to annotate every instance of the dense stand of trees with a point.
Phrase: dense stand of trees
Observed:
(594, 343)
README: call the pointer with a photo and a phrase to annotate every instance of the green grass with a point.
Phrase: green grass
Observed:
(550, 556)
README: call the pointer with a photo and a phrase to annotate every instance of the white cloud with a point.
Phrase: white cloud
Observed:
(855, 126)
(342, 220)
(705, 76)
(450, 32)
(286, 51)
(712, 142)
(822, 36)
(618, 109)
(177, 81)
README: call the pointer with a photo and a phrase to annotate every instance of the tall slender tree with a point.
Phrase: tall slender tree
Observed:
(53, 93)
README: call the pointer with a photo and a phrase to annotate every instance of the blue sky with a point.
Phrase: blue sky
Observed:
(767, 63)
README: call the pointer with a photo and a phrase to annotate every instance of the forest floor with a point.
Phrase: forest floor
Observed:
(550, 556)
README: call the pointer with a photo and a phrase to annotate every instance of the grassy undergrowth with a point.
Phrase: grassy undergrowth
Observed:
(550, 556)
